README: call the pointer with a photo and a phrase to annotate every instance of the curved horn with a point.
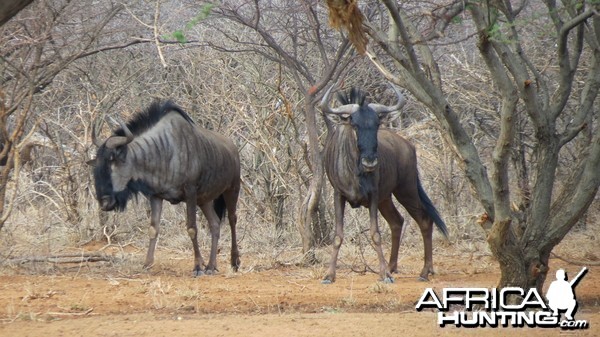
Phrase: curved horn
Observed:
(344, 109)
(95, 139)
(116, 141)
(384, 109)
(128, 133)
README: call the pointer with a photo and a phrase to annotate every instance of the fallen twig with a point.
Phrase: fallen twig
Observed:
(63, 258)
(576, 262)
(84, 313)
(302, 287)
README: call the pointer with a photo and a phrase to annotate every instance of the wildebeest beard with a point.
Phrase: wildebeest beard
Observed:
(366, 183)
(121, 199)
(134, 187)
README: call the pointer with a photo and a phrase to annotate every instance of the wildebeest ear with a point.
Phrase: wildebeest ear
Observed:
(120, 153)
(92, 162)
(388, 117)
(339, 118)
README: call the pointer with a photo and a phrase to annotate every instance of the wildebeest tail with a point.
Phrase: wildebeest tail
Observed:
(219, 206)
(430, 209)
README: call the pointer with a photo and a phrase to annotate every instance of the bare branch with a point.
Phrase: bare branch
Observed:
(64, 258)
(156, 35)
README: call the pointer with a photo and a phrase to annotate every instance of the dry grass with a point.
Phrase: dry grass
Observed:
(39, 224)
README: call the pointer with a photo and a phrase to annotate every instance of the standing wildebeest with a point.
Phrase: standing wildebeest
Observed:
(366, 165)
(162, 154)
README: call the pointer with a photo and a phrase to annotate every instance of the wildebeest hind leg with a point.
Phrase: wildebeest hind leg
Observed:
(395, 220)
(426, 226)
(156, 211)
(215, 232)
(231, 197)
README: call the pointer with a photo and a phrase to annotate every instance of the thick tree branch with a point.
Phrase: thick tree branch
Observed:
(570, 206)
(403, 32)
(9, 8)
(582, 119)
(568, 63)
(502, 149)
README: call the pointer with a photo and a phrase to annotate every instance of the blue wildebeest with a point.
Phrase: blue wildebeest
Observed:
(366, 164)
(162, 154)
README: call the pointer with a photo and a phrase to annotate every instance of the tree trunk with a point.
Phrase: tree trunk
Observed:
(520, 265)
(309, 228)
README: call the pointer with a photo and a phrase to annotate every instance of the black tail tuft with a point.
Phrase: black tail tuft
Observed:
(219, 206)
(431, 211)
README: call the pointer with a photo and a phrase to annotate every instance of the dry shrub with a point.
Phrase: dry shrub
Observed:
(346, 14)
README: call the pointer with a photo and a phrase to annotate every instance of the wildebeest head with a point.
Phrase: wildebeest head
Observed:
(364, 118)
(111, 172)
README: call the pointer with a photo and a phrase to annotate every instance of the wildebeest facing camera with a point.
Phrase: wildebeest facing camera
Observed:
(366, 165)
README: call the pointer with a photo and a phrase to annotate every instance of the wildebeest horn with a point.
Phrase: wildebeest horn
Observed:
(116, 141)
(95, 139)
(128, 133)
(383, 109)
(344, 109)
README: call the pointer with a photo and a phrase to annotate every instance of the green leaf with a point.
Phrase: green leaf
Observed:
(179, 34)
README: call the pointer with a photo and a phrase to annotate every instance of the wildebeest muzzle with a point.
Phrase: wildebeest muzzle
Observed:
(107, 203)
(368, 164)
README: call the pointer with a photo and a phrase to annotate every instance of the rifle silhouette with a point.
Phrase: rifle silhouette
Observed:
(577, 278)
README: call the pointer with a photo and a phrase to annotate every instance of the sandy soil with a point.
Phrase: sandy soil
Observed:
(101, 299)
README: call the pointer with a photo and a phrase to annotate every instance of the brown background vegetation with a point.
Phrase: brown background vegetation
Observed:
(68, 64)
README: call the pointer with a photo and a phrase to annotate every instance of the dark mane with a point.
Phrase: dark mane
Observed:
(352, 96)
(146, 119)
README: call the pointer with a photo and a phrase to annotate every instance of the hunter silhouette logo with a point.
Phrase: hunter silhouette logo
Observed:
(561, 294)
(483, 307)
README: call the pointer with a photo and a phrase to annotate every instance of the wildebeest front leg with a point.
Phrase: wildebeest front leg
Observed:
(156, 211)
(215, 232)
(192, 229)
(339, 205)
(384, 271)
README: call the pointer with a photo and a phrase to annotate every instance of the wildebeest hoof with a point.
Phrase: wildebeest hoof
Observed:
(326, 281)
(235, 264)
(197, 272)
(388, 280)
(210, 271)
(423, 279)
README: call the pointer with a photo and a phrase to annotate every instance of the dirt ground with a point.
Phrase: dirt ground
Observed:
(101, 299)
